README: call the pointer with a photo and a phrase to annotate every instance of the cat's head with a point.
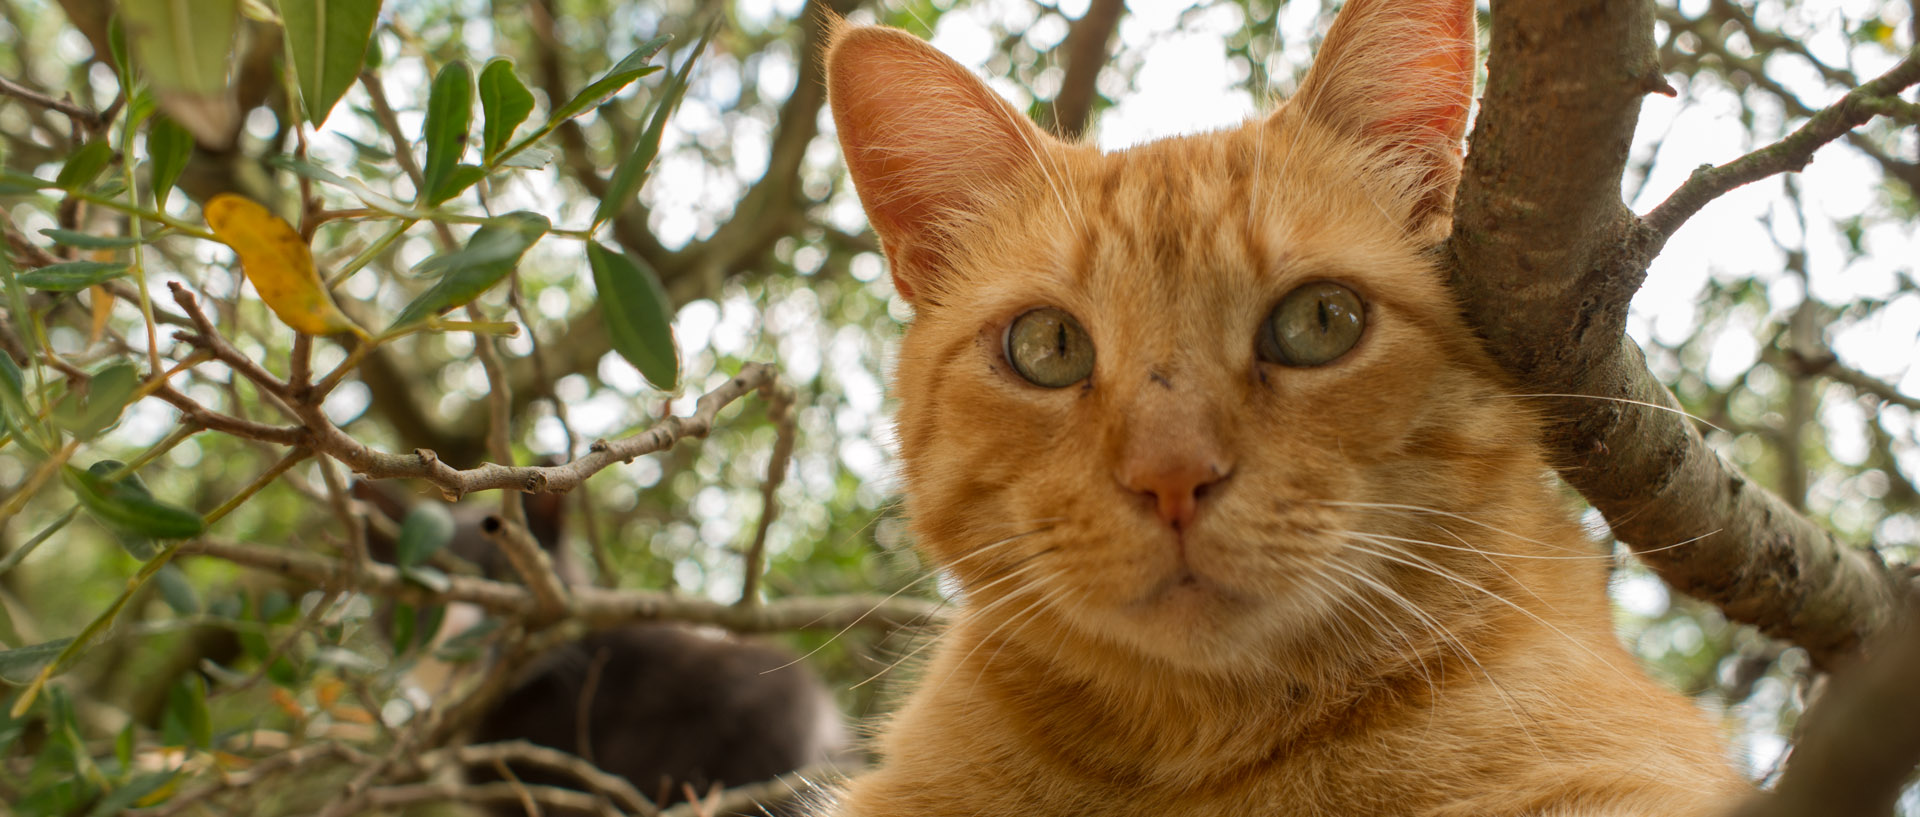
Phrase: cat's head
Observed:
(1141, 388)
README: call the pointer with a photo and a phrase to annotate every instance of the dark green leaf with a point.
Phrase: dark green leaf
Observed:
(88, 412)
(117, 48)
(123, 745)
(623, 73)
(186, 722)
(19, 665)
(138, 545)
(183, 47)
(491, 253)
(84, 165)
(124, 507)
(176, 590)
(123, 798)
(427, 528)
(633, 169)
(401, 623)
(169, 146)
(639, 320)
(449, 119)
(506, 102)
(458, 180)
(469, 644)
(86, 241)
(15, 415)
(72, 275)
(328, 40)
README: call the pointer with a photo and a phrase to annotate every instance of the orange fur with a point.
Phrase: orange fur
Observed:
(1380, 604)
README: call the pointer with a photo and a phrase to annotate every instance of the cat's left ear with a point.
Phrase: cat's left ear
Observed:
(1398, 75)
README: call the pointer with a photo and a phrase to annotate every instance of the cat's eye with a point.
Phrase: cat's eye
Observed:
(1313, 325)
(1048, 348)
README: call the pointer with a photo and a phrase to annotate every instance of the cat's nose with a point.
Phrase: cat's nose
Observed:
(1176, 484)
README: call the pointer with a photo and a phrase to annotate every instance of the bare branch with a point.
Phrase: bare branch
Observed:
(559, 800)
(1876, 97)
(747, 799)
(1863, 736)
(614, 787)
(596, 607)
(528, 560)
(780, 410)
(1085, 52)
(81, 116)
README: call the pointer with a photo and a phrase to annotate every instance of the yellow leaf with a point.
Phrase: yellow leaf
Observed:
(284, 700)
(279, 264)
(102, 310)
(328, 691)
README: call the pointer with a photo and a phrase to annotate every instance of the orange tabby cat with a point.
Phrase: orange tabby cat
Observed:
(1197, 428)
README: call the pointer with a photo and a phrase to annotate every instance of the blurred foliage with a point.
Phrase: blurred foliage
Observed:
(1792, 336)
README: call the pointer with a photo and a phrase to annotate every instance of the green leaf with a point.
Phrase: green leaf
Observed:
(123, 745)
(177, 591)
(121, 799)
(138, 545)
(186, 721)
(117, 48)
(87, 241)
(491, 253)
(427, 576)
(639, 319)
(622, 74)
(506, 102)
(169, 146)
(530, 159)
(84, 165)
(469, 644)
(458, 180)
(19, 665)
(123, 506)
(449, 120)
(183, 48)
(427, 528)
(88, 412)
(633, 169)
(328, 40)
(13, 183)
(73, 275)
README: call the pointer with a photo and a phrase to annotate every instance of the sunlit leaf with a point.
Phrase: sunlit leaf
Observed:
(633, 169)
(278, 263)
(183, 48)
(328, 40)
(639, 319)
(622, 74)
(491, 252)
(169, 146)
(122, 506)
(84, 165)
(72, 276)
(187, 721)
(449, 121)
(506, 102)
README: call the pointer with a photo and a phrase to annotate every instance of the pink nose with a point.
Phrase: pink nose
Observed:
(1175, 483)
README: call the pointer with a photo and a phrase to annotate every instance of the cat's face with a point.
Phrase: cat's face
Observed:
(1157, 397)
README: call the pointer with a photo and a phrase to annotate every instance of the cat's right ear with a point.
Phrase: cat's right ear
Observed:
(929, 145)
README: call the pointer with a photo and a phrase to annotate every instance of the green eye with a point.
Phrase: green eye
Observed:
(1313, 325)
(1048, 348)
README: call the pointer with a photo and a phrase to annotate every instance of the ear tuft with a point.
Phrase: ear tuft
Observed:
(929, 145)
(1398, 74)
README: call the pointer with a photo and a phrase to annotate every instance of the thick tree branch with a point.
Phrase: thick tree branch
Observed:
(1545, 259)
(1862, 739)
(1790, 154)
(1085, 53)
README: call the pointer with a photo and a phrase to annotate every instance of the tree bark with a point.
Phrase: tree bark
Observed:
(1545, 258)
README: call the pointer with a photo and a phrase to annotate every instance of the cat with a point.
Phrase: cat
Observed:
(670, 706)
(1239, 523)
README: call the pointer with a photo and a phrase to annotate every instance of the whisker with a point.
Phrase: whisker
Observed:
(1694, 417)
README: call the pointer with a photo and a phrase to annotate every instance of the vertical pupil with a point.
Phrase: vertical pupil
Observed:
(1321, 306)
(1060, 340)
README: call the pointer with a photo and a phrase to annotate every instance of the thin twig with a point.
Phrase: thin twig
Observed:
(1789, 154)
(780, 411)
(613, 786)
(81, 116)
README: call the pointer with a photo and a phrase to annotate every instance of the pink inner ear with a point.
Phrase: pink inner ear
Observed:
(925, 140)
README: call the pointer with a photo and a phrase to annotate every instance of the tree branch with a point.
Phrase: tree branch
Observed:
(1792, 153)
(594, 606)
(1085, 53)
(1545, 259)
